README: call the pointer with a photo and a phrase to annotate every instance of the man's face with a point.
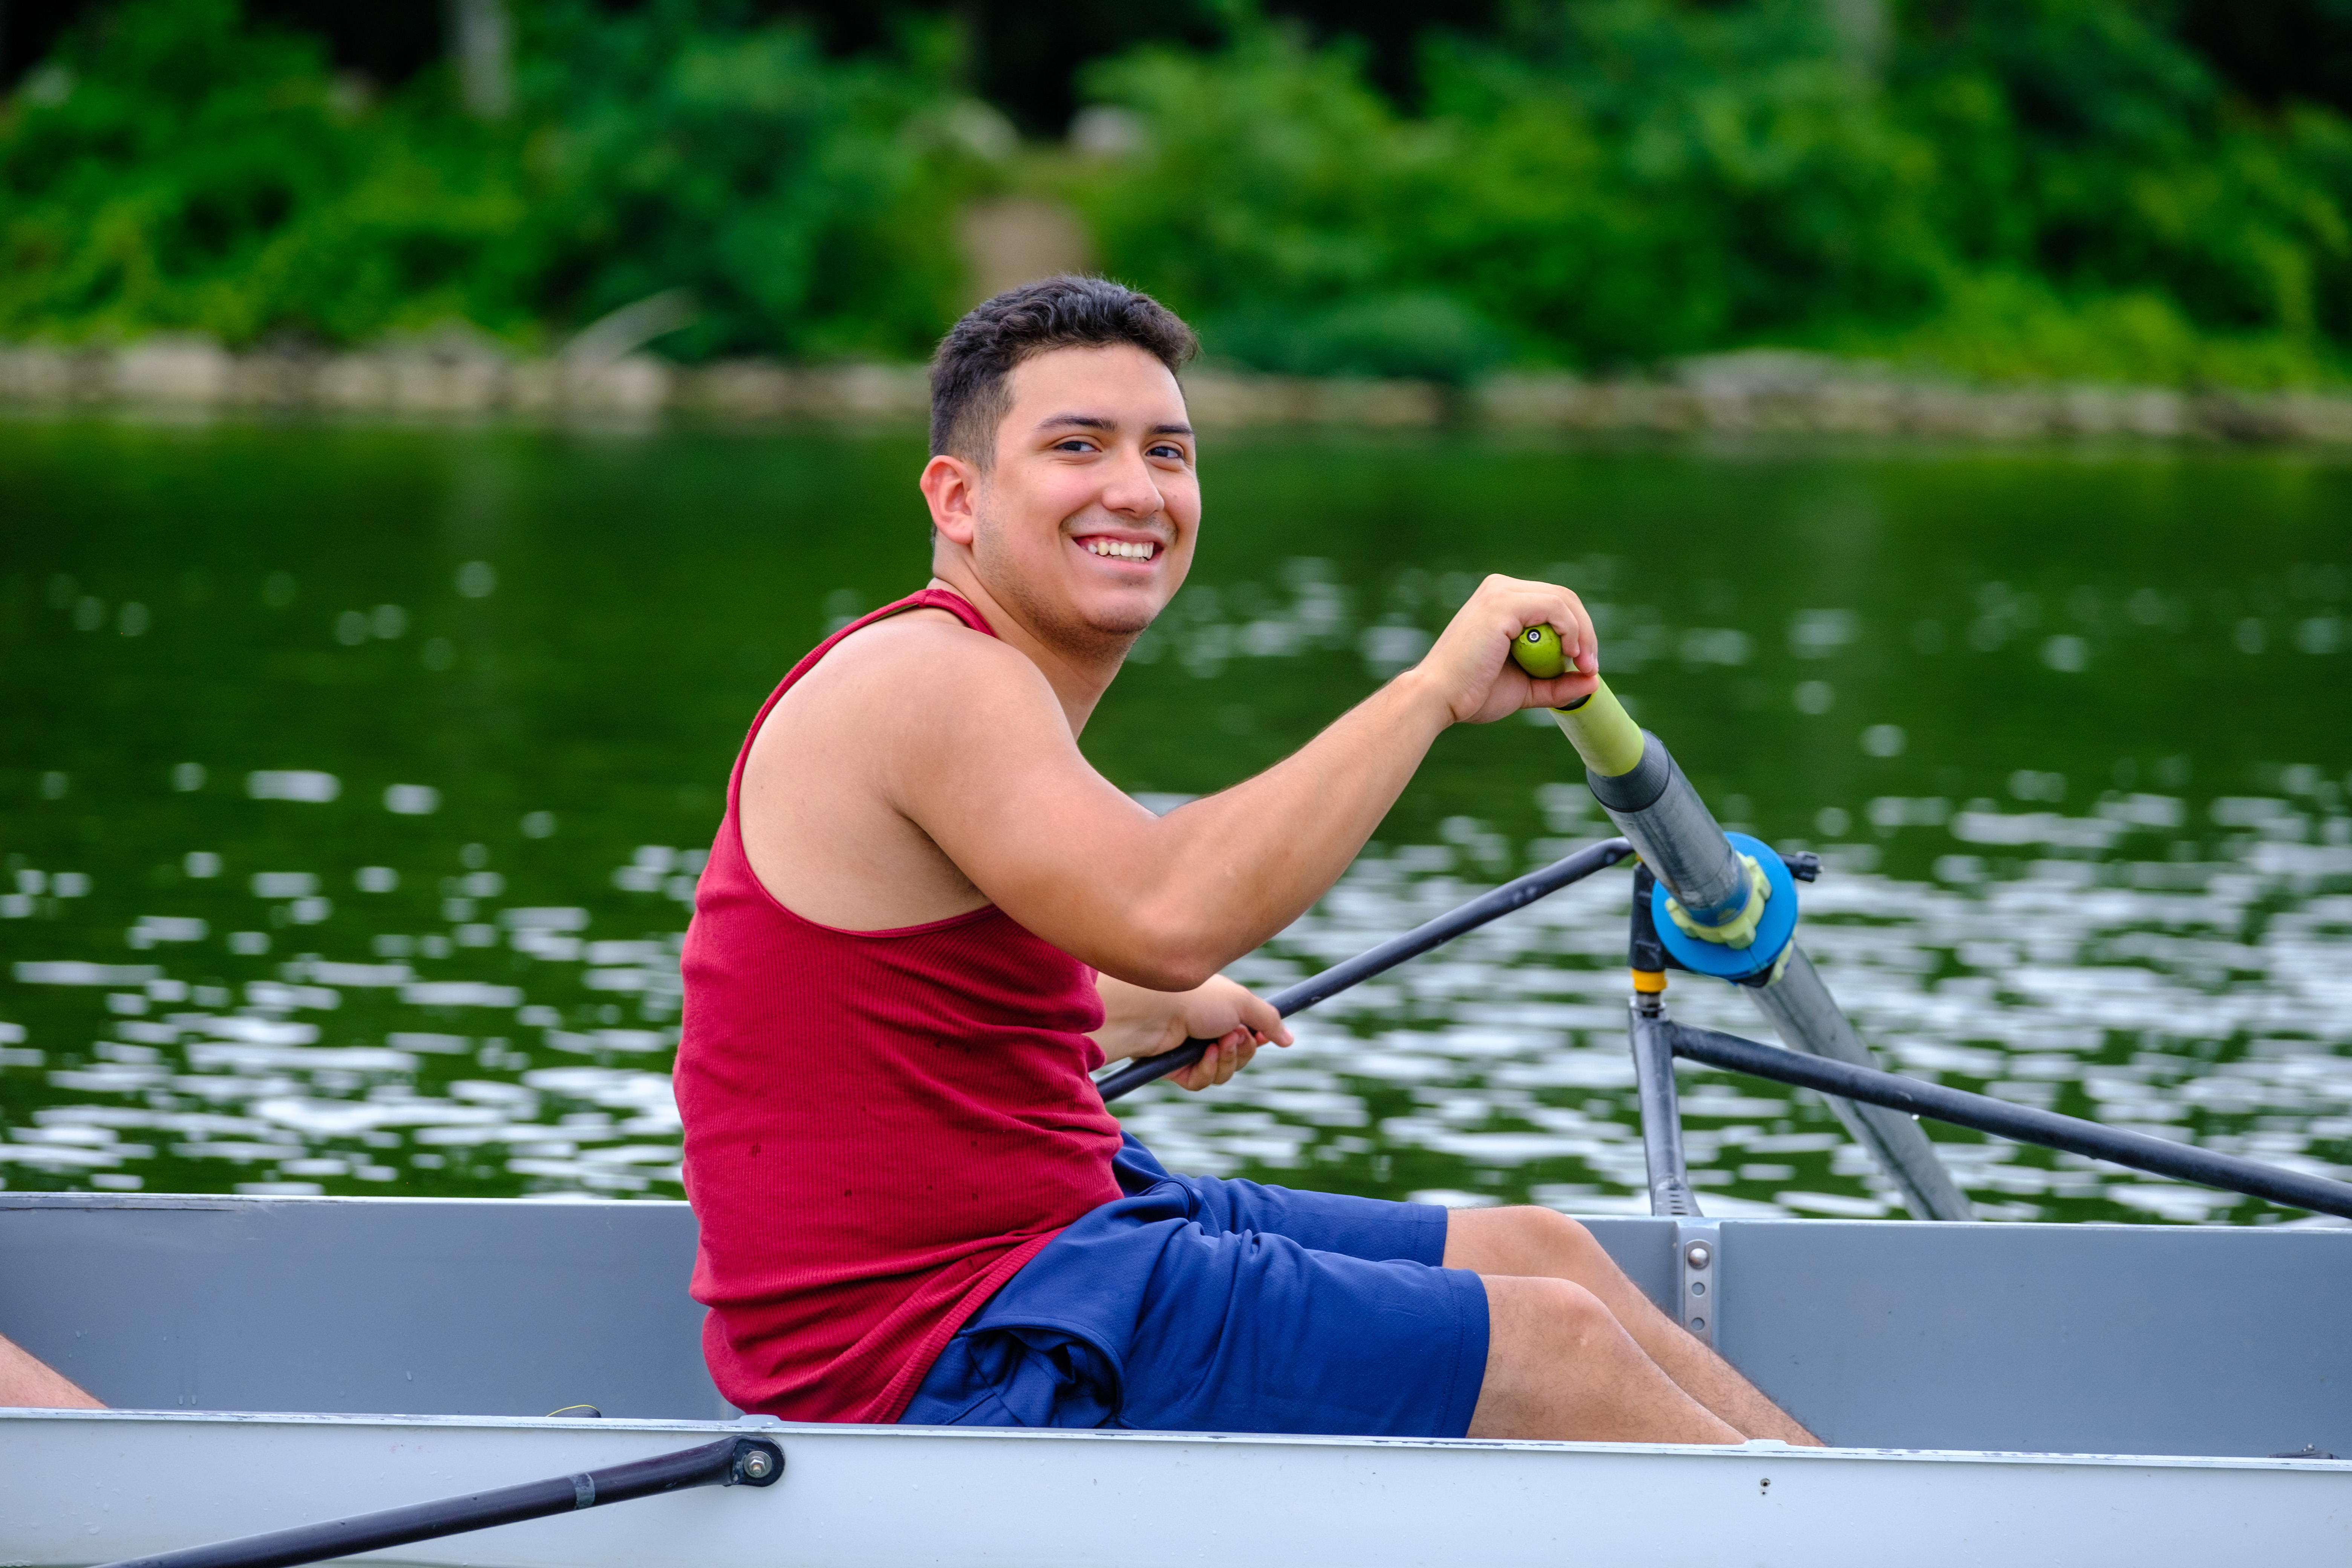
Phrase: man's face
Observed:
(1087, 518)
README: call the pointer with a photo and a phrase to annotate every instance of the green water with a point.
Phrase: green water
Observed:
(2071, 727)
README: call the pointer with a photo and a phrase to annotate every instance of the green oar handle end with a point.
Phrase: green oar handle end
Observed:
(1600, 729)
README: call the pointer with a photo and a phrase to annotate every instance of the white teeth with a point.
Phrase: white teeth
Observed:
(1121, 548)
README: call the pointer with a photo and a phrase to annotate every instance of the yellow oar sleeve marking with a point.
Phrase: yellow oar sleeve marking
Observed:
(1600, 729)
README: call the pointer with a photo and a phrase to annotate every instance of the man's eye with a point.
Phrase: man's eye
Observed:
(1074, 443)
(1174, 454)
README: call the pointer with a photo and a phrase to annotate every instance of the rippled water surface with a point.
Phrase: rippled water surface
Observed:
(353, 783)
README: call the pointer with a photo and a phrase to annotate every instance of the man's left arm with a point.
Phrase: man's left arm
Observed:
(1142, 1023)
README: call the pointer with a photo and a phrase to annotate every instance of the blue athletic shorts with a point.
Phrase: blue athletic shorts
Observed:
(1194, 1304)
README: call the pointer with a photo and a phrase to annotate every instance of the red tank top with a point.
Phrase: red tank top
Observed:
(881, 1127)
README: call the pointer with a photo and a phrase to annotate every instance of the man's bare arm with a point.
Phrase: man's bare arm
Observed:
(28, 1383)
(985, 765)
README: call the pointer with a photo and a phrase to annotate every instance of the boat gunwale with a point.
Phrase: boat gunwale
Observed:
(2324, 1224)
(229, 1201)
(788, 1431)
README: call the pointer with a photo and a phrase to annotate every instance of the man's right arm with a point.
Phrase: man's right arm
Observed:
(986, 766)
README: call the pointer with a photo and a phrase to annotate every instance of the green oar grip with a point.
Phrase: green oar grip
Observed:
(1600, 729)
(1602, 732)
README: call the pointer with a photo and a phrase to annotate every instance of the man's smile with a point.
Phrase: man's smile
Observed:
(1111, 547)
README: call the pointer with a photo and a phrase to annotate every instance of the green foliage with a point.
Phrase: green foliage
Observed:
(1430, 335)
(172, 169)
(802, 200)
(2084, 145)
(2019, 188)
(1279, 202)
(177, 166)
(1740, 175)
(1994, 188)
(1632, 178)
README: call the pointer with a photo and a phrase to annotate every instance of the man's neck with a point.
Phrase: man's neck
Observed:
(1078, 676)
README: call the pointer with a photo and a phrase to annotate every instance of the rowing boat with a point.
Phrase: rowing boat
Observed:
(1993, 1392)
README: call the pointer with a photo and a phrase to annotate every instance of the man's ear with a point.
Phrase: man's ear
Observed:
(952, 486)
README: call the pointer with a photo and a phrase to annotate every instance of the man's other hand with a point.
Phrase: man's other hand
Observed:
(1470, 668)
(1140, 1023)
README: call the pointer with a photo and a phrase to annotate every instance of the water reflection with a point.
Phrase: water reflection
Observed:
(358, 859)
(2205, 1000)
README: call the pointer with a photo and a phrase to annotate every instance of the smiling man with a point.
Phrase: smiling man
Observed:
(926, 920)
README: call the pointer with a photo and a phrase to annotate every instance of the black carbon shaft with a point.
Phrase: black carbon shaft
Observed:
(711, 1464)
(1485, 907)
(2020, 1123)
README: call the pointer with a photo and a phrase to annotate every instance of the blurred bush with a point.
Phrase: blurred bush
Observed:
(2113, 211)
(1999, 187)
(804, 200)
(175, 166)
(1282, 202)
(169, 168)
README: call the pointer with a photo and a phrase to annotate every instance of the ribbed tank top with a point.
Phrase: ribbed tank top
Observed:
(881, 1127)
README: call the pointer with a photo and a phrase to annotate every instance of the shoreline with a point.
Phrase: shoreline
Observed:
(1768, 392)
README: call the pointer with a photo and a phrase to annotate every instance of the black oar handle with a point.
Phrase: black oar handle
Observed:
(2021, 1123)
(730, 1462)
(1502, 900)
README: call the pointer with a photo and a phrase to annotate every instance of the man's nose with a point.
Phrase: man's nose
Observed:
(1130, 491)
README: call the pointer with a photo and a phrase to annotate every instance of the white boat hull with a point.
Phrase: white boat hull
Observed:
(78, 1487)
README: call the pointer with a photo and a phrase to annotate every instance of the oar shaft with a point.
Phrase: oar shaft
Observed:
(1807, 1017)
(1488, 906)
(731, 1461)
(2020, 1123)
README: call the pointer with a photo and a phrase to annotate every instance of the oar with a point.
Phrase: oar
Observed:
(2020, 1123)
(730, 1462)
(1488, 906)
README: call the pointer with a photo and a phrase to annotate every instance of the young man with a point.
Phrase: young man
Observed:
(927, 918)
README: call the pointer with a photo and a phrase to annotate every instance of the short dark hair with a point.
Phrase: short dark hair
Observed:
(969, 397)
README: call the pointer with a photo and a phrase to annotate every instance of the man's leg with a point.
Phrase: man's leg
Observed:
(1527, 1254)
(1570, 1352)
(1561, 1365)
(28, 1383)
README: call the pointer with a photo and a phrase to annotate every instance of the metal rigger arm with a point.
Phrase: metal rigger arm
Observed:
(1725, 905)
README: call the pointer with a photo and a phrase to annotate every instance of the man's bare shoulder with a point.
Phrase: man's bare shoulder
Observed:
(833, 784)
(927, 668)
(923, 632)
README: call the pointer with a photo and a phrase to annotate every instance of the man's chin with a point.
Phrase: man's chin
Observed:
(1094, 632)
(1081, 617)
(1126, 623)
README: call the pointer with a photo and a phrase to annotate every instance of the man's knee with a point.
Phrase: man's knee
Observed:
(1525, 1240)
(1561, 1235)
(1560, 1315)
